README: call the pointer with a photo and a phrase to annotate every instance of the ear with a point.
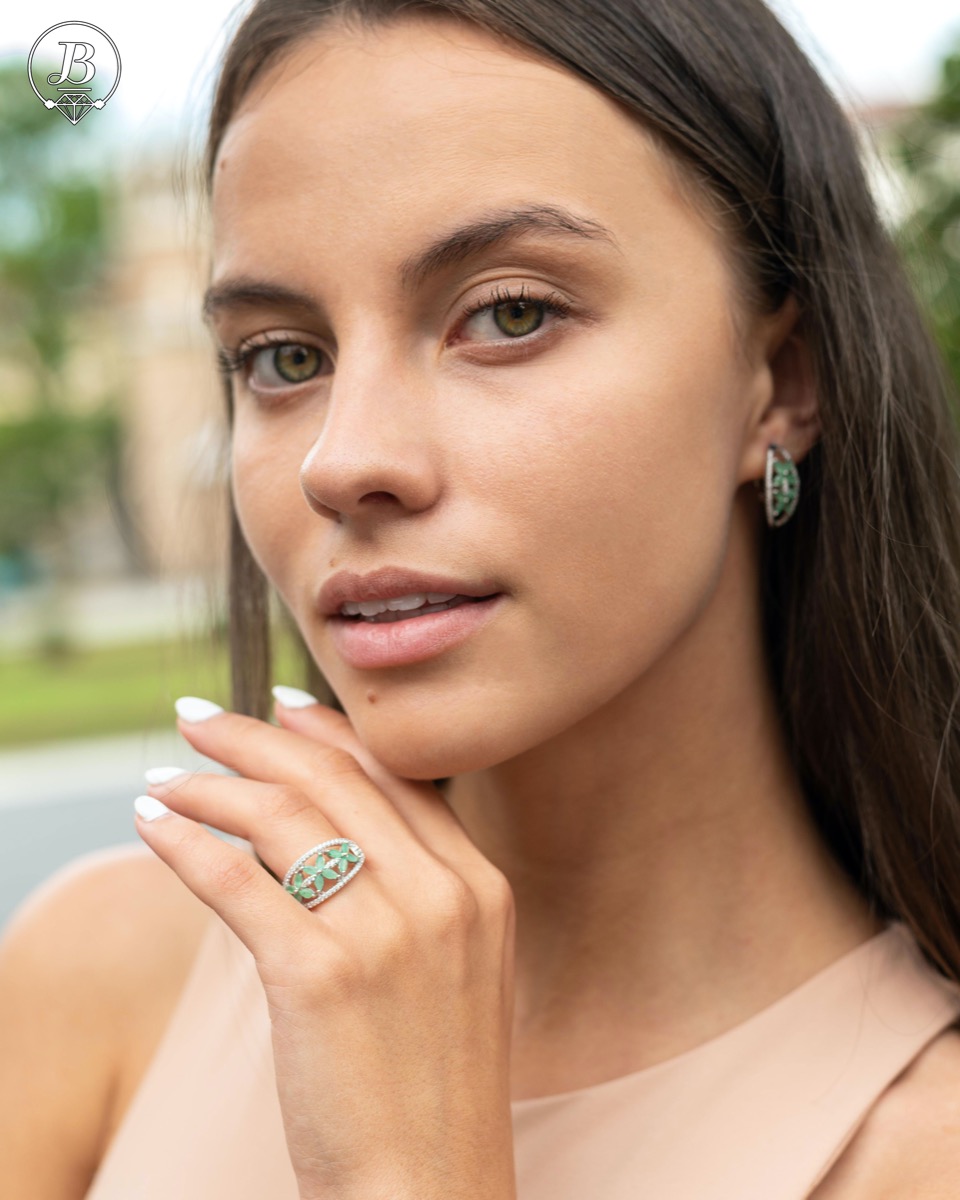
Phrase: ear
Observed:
(784, 403)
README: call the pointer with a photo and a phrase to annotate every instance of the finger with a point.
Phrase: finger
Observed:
(228, 880)
(329, 774)
(260, 751)
(280, 822)
(420, 803)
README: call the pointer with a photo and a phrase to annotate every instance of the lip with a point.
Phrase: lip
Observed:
(367, 645)
(390, 581)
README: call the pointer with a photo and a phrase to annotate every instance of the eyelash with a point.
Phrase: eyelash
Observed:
(234, 361)
(238, 361)
(553, 302)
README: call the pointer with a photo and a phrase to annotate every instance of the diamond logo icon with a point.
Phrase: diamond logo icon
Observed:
(74, 67)
(73, 105)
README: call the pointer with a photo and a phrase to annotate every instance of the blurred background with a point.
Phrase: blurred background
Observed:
(112, 432)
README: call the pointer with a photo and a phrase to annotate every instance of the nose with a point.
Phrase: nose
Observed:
(374, 449)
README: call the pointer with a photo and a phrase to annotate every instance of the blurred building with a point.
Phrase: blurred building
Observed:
(175, 465)
(877, 124)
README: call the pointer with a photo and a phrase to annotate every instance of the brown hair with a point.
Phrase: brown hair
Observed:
(861, 589)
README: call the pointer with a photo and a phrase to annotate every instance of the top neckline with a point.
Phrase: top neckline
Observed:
(796, 997)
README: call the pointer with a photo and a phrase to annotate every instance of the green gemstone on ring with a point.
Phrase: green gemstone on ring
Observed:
(307, 883)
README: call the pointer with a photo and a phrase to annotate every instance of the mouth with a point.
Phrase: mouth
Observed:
(396, 639)
(385, 618)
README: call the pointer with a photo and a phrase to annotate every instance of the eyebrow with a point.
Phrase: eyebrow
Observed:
(466, 241)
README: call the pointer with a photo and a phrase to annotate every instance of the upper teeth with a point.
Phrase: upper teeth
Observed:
(370, 608)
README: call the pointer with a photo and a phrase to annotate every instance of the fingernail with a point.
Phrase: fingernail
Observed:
(163, 774)
(291, 697)
(192, 708)
(149, 807)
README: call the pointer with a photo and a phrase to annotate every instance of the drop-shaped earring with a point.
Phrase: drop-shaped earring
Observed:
(781, 486)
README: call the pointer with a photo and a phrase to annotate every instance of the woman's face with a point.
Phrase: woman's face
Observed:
(584, 460)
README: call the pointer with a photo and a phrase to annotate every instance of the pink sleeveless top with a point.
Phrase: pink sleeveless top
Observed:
(760, 1112)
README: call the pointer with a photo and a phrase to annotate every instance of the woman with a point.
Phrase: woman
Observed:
(575, 320)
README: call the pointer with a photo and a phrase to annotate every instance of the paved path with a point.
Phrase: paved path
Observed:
(61, 800)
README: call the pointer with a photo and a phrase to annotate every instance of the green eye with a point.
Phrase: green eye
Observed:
(518, 317)
(295, 363)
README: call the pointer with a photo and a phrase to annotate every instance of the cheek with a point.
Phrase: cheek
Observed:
(614, 551)
(624, 511)
(644, 537)
(269, 503)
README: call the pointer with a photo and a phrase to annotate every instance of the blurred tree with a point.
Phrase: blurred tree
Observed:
(54, 220)
(927, 147)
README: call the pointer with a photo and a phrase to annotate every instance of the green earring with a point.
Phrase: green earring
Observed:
(782, 486)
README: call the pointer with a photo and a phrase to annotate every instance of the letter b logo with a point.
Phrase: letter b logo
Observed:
(88, 72)
(75, 54)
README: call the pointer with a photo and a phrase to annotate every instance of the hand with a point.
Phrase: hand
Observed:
(391, 1004)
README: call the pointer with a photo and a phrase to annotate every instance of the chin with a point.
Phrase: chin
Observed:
(426, 755)
(425, 763)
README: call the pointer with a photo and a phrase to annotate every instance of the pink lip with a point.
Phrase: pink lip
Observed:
(387, 582)
(367, 645)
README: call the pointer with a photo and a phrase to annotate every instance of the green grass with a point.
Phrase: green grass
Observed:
(119, 689)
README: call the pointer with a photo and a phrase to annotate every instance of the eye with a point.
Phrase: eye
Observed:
(517, 315)
(289, 363)
(272, 363)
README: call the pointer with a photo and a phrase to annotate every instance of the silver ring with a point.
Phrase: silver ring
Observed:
(308, 886)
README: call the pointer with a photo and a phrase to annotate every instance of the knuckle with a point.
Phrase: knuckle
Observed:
(233, 874)
(497, 893)
(389, 947)
(453, 904)
(282, 802)
(183, 836)
(395, 941)
(335, 972)
(334, 762)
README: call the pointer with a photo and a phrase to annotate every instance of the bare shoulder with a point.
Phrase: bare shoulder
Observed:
(91, 962)
(908, 1147)
(120, 908)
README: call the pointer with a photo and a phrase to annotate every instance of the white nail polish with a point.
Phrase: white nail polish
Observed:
(149, 807)
(163, 774)
(192, 708)
(291, 697)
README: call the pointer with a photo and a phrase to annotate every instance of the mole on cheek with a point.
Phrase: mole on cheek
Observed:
(371, 697)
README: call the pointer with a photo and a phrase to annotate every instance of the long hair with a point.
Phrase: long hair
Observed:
(861, 589)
